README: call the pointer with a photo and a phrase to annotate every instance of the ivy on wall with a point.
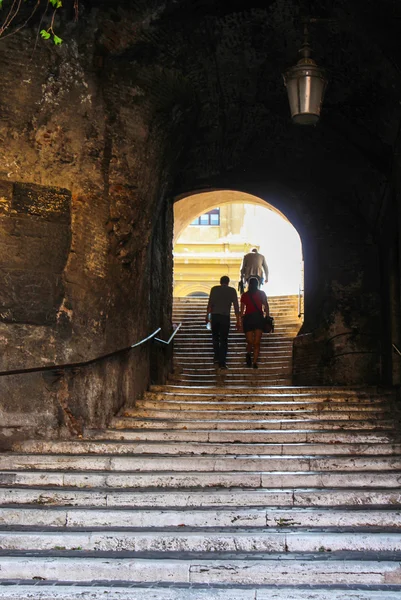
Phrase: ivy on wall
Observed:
(16, 14)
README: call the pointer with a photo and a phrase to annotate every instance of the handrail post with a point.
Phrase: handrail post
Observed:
(300, 311)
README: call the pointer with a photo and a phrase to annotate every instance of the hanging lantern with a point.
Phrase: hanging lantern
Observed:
(306, 84)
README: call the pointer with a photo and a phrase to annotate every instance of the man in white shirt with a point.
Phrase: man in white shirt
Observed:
(254, 265)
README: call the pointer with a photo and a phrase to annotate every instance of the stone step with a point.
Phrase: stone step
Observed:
(198, 328)
(235, 344)
(108, 447)
(196, 360)
(196, 344)
(276, 310)
(210, 517)
(191, 355)
(147, 403)
(18, 591)
(209, 371)
(235, 341)
(195, 541)
(206, 354)
(192, 499)
(197, 321)
(293, 391)
(260, 395)
(197, 464)
(207, 479)
(260, 570)
(241, 380)
(281, 424)
(240, 415)
(237, 436)
(212, 371)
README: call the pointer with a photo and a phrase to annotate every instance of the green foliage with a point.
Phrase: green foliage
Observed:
(12, 9)
(45, 34)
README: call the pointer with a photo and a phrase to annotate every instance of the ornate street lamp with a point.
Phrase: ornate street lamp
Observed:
(306, 84)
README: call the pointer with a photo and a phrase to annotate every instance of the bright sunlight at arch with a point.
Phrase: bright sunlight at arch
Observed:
(213, 231)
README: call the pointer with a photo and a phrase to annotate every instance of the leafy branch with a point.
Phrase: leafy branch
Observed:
(49, 32)
(15, 9)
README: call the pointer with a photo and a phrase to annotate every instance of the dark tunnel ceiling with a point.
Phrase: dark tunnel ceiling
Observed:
(223, 61)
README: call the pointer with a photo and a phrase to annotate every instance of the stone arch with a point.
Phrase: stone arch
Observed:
(189, 206)
(200, 259)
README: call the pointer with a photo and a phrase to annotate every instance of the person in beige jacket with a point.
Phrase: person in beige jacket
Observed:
(254, 265)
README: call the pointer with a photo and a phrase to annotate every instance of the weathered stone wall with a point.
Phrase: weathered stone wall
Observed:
(85, 230)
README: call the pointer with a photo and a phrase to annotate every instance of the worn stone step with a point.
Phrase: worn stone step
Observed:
(106, 447)
(228, 404)
(224, 377)
(194, 363)
(240, 371)
(272, 570)
(202, 498)
(272, 380)
(313, 414)
(294, 391)
(197, 464)
(302, 434)
(199, 362)
(235, 345)
(18, 591)
(200, 334)
(191, 498)
(282, 349)
(210, 424)
(197, 325)
(128, 541)
(226, 479)
(209, 517)
(280, 340)
(261, 395)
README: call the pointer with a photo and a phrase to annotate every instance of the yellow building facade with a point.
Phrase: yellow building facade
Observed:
(211, 246)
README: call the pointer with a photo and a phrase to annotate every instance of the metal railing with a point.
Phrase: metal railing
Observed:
(85, 363)
(172, 336)
(396, 349)
(300, 302)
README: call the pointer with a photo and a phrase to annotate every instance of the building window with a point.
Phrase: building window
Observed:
(210, 218)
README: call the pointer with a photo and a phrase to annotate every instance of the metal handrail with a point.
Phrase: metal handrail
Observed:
(172, 336)
(300, 295)
(83, 363)
(396, 350)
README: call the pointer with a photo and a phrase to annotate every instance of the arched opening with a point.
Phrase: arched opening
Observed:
(212, 232)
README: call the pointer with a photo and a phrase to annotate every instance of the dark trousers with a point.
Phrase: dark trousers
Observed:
(220, 329)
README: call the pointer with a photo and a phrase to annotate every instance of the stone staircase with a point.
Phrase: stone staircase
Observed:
(193, 352)
(240, 492)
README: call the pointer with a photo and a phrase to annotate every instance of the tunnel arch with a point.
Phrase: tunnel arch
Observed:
(189, 206)
(203, 254)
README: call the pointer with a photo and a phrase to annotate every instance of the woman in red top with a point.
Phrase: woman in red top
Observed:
(253, 305)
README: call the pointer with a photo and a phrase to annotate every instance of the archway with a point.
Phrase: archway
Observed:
(212, 232)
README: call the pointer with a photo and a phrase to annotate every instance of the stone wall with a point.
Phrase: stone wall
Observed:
(86, 232)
